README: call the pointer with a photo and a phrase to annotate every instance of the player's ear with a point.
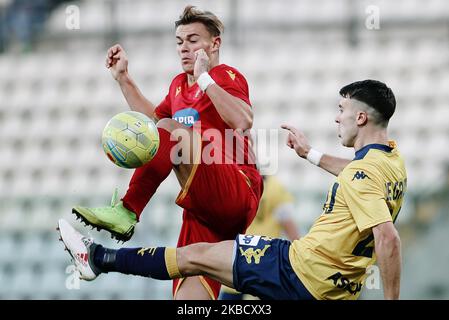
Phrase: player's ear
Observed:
(362, 118)
(216, 43)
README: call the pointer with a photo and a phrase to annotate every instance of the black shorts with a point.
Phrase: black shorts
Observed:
(262, 268)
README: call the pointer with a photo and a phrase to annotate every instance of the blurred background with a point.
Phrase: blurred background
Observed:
(56, 96)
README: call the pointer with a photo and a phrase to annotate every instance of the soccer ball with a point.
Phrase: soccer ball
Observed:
(130, 139)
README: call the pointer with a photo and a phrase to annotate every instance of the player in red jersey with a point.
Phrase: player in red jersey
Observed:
(202, 118)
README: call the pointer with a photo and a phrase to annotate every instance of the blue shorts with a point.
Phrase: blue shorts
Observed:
(262, 268)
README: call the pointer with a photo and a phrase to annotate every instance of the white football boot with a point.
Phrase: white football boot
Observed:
(81, 249)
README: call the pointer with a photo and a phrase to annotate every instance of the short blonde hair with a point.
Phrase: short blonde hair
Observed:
(191, 14)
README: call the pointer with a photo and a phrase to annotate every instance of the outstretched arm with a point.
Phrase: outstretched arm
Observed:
(298, 141)
(333, 164)
(117, 62)
(388, 252)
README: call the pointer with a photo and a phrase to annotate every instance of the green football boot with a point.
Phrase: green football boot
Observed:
(116, 219)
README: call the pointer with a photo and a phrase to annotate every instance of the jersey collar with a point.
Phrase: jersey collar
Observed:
(360, 154)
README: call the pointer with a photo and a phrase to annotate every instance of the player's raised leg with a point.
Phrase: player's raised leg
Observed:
(91, 259)
(121, 216)
(182, 154)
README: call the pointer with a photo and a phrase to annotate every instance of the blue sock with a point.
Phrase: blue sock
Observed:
(104, 258)
(230, 296)
(154, 262)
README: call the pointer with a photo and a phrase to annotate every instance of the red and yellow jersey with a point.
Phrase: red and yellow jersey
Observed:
(193, 108)
(331, 260)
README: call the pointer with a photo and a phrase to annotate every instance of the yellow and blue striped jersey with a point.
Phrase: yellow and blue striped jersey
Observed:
(331, 260)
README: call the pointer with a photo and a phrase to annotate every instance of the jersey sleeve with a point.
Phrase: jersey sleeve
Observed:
(363, 191)
(233, 82)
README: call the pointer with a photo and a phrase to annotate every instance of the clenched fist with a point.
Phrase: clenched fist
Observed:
(117, 61)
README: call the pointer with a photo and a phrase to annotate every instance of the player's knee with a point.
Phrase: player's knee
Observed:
(191, 258)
